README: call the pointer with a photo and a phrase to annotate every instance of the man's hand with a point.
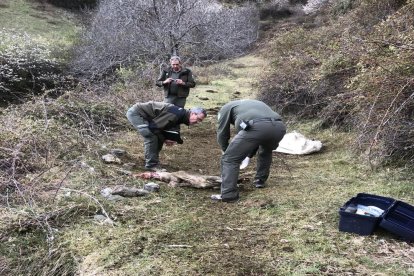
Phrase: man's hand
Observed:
(170, 142)
(169, 80)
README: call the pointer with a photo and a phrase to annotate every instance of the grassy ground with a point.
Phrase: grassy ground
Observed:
(289, 228)
(43, 23)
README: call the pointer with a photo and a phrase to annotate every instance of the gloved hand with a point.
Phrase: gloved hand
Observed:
(244, 163)
(144, 131)
(173, 136)
(180, 141)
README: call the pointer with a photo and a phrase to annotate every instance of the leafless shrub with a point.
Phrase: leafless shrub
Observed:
(369, 13)
(130, 32)
(386, 122)
(4, 266)
(289, 88)
(276, 9)
(24, 77)
(42, 144)
(44, 134)
(72, 4)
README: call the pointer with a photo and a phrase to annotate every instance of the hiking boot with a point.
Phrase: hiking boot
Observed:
(218, 197)
(258, 183)
(156, 168)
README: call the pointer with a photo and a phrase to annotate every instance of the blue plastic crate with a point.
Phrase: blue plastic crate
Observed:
(399, 220)
(361, 224)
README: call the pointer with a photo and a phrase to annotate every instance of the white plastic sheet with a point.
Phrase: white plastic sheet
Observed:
(296, 143)
(293, 143)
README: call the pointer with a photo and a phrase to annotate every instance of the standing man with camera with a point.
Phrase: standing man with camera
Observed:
(258, 127)
(176, 82)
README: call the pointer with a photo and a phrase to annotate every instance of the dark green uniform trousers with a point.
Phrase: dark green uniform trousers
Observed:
(263, 134)
(175, 100)
(152, 143)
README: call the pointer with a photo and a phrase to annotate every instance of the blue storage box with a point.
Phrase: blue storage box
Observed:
(362, 224)
(399, 220)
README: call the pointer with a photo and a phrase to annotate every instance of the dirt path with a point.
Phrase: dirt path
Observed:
(289, 228)
(220, 83)
(227, 81)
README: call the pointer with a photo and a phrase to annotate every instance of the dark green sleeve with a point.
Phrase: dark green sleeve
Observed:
(223, 128)
(162, 77)
(190, 81)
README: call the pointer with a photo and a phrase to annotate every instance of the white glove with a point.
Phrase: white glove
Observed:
(244, 163)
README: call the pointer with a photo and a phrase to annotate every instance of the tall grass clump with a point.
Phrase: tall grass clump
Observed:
(50, 159)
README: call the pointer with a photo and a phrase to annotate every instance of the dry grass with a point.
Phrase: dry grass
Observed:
(289, 228)
(46, 26)
(354, 71)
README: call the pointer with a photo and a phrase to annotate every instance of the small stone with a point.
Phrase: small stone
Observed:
(130, 192)
(103, 219)
(100, 217)
(106, 192)
(118, 152)
(129, 166)
(152, 187)
(124, 172)
(109, 158)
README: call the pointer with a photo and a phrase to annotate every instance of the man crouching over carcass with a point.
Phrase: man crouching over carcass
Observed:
(157, 122)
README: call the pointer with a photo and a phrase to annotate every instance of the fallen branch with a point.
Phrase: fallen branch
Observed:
(179, 246)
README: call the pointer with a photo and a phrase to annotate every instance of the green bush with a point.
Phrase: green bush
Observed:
(28, 69)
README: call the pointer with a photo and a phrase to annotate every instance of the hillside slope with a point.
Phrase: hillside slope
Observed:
(57, 221)
(291, 227)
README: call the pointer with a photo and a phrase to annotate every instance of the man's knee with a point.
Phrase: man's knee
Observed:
(144, 131)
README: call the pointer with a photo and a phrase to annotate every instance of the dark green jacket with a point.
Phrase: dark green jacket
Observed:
(183, 90)
(234, 112)
(162, 116)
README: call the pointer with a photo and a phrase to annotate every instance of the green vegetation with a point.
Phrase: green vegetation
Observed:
(35, 44)
(290, 228)
(43, 23)
(56, 222)
(353, 71)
